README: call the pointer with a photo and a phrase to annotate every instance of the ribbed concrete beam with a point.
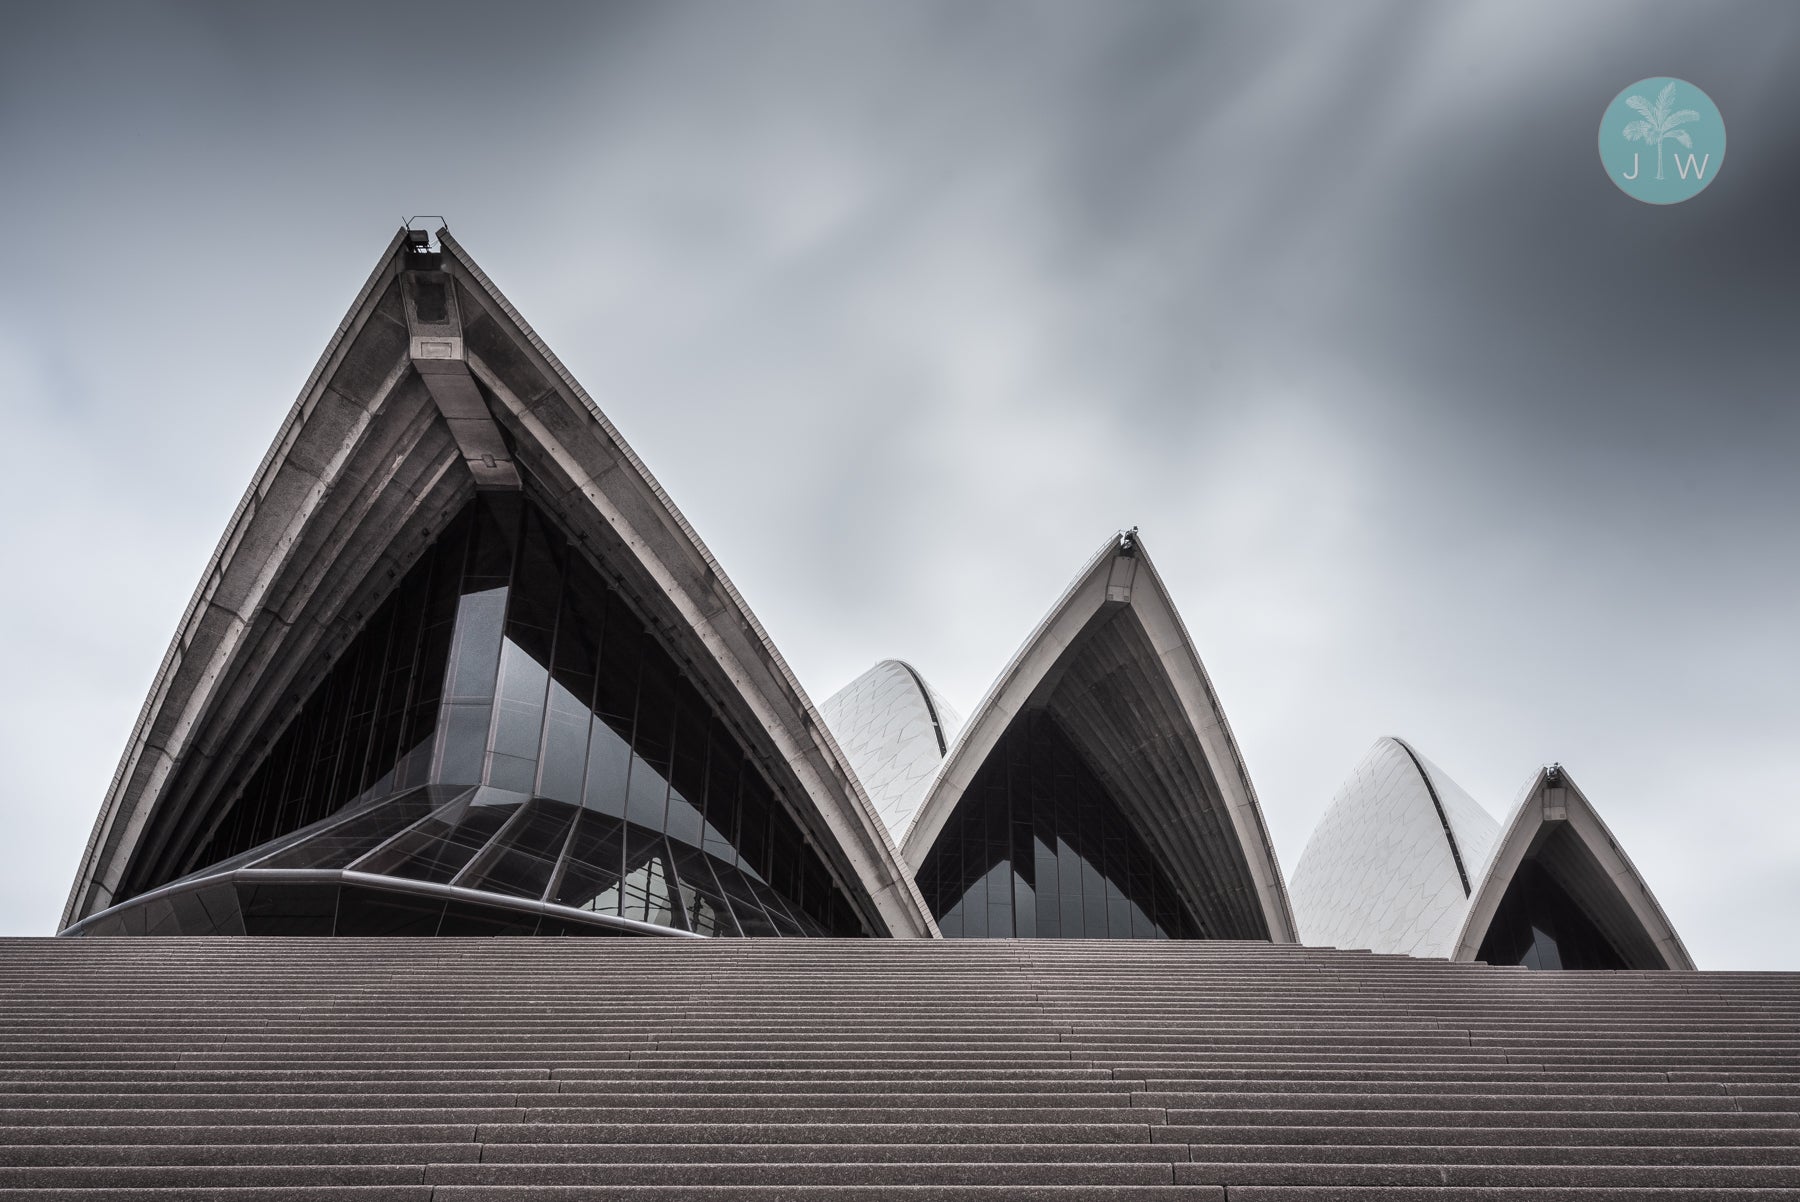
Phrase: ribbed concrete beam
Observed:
(435, 346)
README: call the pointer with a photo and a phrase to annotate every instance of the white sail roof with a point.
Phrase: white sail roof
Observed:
(1390, 865)
(895, 728)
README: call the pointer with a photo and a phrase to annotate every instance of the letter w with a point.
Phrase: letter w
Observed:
(1684, 168)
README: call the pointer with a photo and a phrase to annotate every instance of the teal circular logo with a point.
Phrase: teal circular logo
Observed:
(1662, 140)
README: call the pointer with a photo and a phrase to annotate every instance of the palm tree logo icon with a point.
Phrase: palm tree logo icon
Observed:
(1660, 121)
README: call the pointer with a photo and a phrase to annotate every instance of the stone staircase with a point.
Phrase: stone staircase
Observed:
(461, 1070)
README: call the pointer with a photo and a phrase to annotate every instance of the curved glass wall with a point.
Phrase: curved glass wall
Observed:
(370, 724)
(444, 860)
(1540, 926)
(505, 660)
(1037, 847)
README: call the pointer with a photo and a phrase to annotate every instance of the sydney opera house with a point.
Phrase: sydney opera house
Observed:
(460, 667)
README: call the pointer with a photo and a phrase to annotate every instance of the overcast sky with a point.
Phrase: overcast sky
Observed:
(1431, 430)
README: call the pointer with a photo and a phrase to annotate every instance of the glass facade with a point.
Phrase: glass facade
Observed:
(1037, 847)
(405, 864)
(369, 726)
(505, 660)
(1540, 926)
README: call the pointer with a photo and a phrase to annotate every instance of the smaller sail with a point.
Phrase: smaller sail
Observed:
(895, 728)
(1097, 791)
(1560, 893)
(1391, 865)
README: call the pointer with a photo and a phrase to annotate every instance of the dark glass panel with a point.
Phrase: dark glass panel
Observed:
(339, 845)
(191, 917)
(687, 779)
(621, 648)
(754, 801)
(723, 763)
(843, 920)
(504, 656)
(595, 862)
(362, 693)
(1049, 913)
(566, 725)
(815, 887)
(579, 625)
(653, 736)
(608, 768)
(779, 911)
(441, 846)
(462, 741)
(425, 688)
(518, 720)
(537, 585)
(289, 806)
(221, 904)
(493, 536)
(649, 888)
(466, 919)
(534, 599)
(475, 654)
(1540, 926)
(975, 910)
(647, 796)
(396, 677)
(378, 702)
(653, 732)
(1038, 848)
(520, 862)
(741, 893)
(703, 902)
(788, 855)
(381, 912)
(288, 908)
(549, 925)
(1024, 907)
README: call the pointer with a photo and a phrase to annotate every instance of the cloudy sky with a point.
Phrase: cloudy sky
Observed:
(1431, 430)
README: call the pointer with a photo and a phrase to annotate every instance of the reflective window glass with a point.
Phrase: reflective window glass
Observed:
(441, 846)
(340, 844)
(522, 858)
(1038, 848)
(464, 919)
(384, 912)
(1538, 925)
(647, 893)
(703, 902)
(288, 908)
(593, 865)
(505, 659)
